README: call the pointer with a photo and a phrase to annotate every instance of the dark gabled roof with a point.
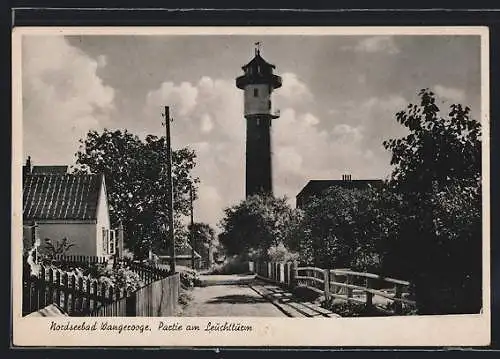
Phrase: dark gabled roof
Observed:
(61, 196)
(49, 170)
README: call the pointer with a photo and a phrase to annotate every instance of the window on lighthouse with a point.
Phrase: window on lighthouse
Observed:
(255, 92)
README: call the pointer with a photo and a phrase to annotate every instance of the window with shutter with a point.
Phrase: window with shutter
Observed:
(104, 240)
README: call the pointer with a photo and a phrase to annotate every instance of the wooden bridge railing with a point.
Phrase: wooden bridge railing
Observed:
(342, 284)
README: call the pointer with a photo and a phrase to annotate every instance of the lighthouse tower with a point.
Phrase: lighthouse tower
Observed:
(258, 83)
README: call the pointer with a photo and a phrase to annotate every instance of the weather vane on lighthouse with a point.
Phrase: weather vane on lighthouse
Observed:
(258, 82)
(257, 48)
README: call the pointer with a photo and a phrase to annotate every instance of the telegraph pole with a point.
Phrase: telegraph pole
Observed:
(191, 232)
(170, 189)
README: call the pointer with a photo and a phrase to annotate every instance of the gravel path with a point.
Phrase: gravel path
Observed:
(237, 300)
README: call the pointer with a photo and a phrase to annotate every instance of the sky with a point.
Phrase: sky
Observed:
(337, 103)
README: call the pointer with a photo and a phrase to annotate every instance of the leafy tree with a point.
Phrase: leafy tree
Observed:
(203, 237)
(257, 223)
(438, 151)
(203, 233)
(348, 228)
(437, 171)
(137, 184)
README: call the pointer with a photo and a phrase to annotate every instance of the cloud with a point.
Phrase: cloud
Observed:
(449, 93)
(182, 97)
(375, 44)
(209, 118)
(293, 91)
(63, 97)
(305, 151)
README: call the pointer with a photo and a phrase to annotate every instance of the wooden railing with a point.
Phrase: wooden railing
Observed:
(342, 284)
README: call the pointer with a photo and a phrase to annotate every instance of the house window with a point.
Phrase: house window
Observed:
(255, 92)
(105, 240)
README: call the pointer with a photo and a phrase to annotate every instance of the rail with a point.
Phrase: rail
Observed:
(342, 283)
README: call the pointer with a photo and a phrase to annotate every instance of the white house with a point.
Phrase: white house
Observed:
(58, 205)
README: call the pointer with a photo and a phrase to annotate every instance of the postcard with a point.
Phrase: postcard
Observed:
(250, 186)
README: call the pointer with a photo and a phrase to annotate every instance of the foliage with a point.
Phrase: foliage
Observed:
(203, 238)
(122, 277)
(127, 255)
(51, 249)
(440, 150)
(303, 293)
(354, 309)
(280, 253)
(437, 173)
(256, 224)
(137, 183)
(348, 228)
(233, 265)
(203, 233)
(189, 277)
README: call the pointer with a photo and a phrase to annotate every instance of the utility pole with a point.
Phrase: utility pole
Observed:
(191, 232)
(170, 189)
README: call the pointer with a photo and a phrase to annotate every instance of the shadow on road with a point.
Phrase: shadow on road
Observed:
(237, 299)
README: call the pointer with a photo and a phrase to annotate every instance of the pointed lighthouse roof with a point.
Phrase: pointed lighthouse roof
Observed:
(258, 71)
(258, 60)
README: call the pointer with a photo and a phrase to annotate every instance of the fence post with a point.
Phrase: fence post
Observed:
(58, 287)
(94, 292)
(369, 295)
(293, 275)
(326, 280)
(398, 306)
(73, 294)
(333, 278)
(79, 304)
(50, 283)
(86, 298)
(116, 300)
(130, 305)
(66, 292)
(348, 280)
(103, 297)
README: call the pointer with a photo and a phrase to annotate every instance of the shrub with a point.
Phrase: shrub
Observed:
(279, 253)
(127, 255)
(189, 277)
(233, 265)
(303, 293)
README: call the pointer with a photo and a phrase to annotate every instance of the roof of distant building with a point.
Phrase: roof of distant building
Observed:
(61, 196)
(182, 251)
(315, 187)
